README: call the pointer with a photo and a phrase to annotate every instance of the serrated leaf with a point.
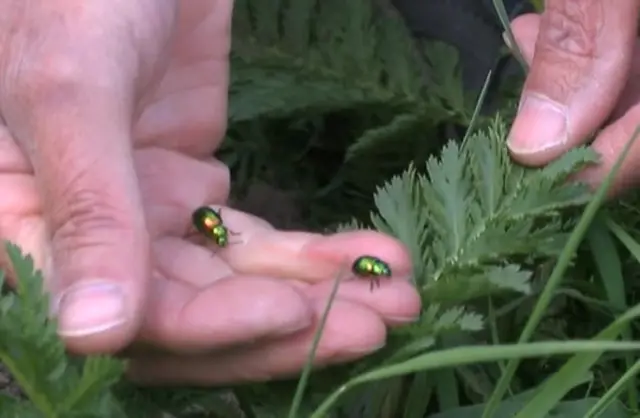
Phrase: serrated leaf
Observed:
(292, 56)
(36, 357)
(459, 318)
(510, 277)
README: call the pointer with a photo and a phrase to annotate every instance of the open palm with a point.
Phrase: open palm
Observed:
(246, 312)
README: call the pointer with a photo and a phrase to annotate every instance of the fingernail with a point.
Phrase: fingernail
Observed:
(296, 326)
(366, 350)
(404, 319)
(89, 308)
(541, 124)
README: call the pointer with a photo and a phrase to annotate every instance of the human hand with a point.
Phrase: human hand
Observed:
(584, 65)
(261, 296)
(81, 88)
(250, 311)
(76, 184)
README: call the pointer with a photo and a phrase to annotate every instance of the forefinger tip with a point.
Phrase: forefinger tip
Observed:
(348, 246)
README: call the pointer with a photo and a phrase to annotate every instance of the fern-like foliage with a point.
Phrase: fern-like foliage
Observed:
(476, 224)
(57, 385)
(305, 59)
(472, 212)
(297, 56)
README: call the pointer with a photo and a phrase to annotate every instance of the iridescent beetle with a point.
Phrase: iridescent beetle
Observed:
(209, 223)
(368, 266)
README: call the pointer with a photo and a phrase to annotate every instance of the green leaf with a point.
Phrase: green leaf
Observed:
(508, 408)
(30, 348)
(476, 354)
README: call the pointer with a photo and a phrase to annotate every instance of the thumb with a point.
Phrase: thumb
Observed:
(77, 136)
(580, 65)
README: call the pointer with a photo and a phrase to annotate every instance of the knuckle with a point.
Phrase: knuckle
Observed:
(571, 28)
(43, 84)
(48, 76)
(82, 217)
(221, 179)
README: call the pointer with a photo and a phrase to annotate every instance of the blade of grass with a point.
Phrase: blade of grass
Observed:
(419, 395)
(446, 384)
(493, 330)
(498, 5)
(607, 260)
(476, 111)
(624, 237)
(556, 275)
(555, 388)
(456, 356)
(446, 389)
(610, 396)
(609, 267)
(306, 371)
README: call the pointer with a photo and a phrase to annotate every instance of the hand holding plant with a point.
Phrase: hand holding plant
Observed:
(585, 61)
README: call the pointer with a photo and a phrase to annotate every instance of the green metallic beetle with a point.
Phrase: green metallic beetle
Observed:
(371, 267)
(209, 223)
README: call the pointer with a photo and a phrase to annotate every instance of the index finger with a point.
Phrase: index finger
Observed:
(257, 248)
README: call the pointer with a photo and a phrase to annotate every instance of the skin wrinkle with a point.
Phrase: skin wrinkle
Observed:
(369, 335)
(12, 159)
(191, 258)
(572, 38)
(572, 29)
(229, 332)
(100, 199)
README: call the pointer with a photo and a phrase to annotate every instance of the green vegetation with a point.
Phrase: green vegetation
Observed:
(528, 281)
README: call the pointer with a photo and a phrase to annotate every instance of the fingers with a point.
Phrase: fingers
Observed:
(20, 208)
(173, 185)
(609, 144)
(98, 234)
(74, 127)
(189, 263)
(197, 82)
(631, 93)
(12, 159)
(230, 311)
(198, 303)
(308, 257)
(351, 331)
(525, 30)
(396, 301)
(21, 223)
(623, 120)
(611, 141)
(582, 57)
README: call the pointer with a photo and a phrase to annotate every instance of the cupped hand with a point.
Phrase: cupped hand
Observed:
(105, 151)
(584, 62)
(249, 311)
(245, 312)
